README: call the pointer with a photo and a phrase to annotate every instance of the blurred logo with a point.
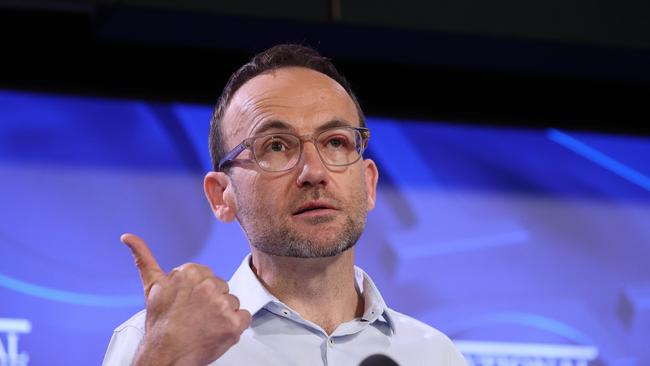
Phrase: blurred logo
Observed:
(525, 354)
(9, 331)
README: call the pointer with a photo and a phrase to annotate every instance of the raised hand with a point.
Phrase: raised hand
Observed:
(192, 319)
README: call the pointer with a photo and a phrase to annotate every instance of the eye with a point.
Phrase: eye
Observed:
(282, 143)
(276, 146)
(337, 142)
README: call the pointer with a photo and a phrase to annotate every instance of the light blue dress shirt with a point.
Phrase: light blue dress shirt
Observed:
(280, 336)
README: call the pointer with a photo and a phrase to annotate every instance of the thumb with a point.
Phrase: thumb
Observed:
(147, 265)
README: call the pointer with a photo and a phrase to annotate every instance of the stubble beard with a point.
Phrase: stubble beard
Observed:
(276, 237)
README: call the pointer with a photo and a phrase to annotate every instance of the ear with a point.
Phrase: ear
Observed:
(220, 194)
(371, 175)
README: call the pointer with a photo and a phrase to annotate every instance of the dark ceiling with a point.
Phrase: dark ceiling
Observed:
(577, 66)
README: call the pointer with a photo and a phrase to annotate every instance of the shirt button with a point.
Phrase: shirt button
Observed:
(330, 342)
(285, 312)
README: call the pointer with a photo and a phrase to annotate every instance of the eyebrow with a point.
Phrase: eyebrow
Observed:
(270, 125)
(280, 125)
(333, 123)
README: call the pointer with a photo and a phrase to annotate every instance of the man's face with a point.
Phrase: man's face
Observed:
(312, 210)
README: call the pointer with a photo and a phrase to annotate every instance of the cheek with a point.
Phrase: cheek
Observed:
(267, 195)
(352, 186)
(245, 191)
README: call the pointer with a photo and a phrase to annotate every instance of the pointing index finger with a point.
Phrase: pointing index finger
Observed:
(147, 265)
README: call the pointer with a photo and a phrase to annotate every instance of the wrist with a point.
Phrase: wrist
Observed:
(152, 353)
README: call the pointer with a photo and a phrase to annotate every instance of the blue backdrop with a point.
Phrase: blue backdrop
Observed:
(523, 245)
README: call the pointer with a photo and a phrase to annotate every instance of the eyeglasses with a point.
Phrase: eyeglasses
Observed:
(279, 152)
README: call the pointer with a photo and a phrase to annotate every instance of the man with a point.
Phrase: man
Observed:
(286, 142)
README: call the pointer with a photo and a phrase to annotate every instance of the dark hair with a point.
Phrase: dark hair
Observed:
(283, 55)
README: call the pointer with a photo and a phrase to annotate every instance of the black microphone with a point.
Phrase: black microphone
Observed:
(378, 360)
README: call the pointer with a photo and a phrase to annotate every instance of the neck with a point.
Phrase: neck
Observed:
(321, 290)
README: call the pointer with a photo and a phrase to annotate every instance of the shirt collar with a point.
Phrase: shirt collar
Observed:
(244, 284)
(253, 296)
(375, 306)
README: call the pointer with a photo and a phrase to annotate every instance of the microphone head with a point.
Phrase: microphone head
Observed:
(378, 360)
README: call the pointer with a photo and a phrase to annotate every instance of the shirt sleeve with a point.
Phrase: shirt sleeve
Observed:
(123, 346)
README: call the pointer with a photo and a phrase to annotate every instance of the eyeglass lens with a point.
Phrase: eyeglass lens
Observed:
(281, 151)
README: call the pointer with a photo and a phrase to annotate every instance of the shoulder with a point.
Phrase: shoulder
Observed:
(409, 325)
(425, 338)
(136, 323)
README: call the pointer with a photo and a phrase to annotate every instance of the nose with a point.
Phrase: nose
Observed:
(312, 170)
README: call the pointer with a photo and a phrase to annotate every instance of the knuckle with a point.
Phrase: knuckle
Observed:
(219, 283)
(235, 301)
(176, 275)
(192, 271)
(247, 319)
(222, 285)
(189, 269)
(243, 320)
(208, 287)
(237, 325)
(224, 303)
(219, 303)
(202, 289)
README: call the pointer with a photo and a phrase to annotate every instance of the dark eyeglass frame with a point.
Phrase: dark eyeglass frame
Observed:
(249, 142)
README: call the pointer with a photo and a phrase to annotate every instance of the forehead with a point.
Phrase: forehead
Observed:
(300, 97)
